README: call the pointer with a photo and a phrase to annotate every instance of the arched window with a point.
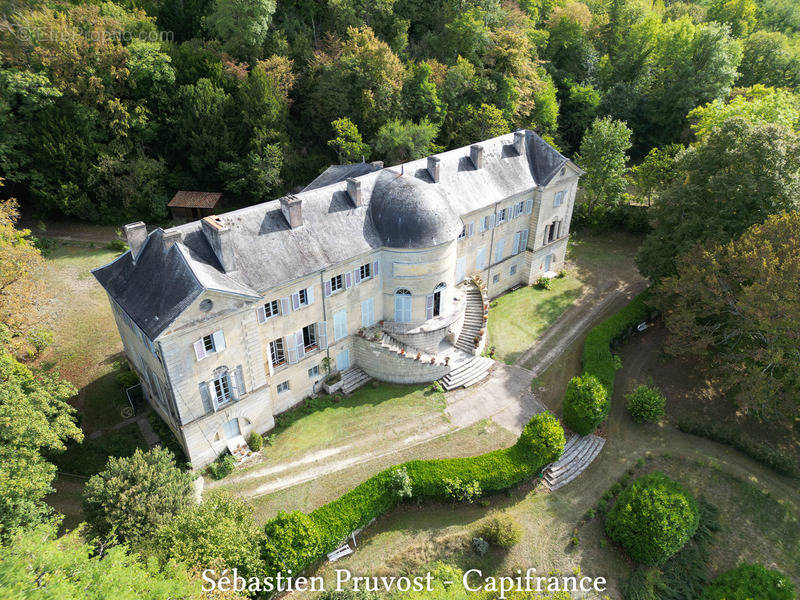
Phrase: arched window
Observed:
(435, 308)
(402, 306)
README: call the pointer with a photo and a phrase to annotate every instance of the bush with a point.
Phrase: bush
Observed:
(646, 404)
(653, 518)
(133, 496)
(480, 546)
(501, 530)
(462, 491)
(291, 542)
(749, 581)
(222, 467)
(586, 404)
(401, 482)
(543, 437)
(117, 245)
(543, 283)
(255, 441)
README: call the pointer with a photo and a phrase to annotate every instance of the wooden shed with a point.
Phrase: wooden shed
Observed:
(192, 206)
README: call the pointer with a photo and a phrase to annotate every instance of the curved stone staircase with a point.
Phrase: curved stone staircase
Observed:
(579, 452)
(473, 320)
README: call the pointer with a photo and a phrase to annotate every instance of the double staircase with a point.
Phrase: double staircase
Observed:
(579, 452)
(473, 320)
(353, 378)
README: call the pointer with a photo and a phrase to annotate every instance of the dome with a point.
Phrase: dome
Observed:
(408, 213)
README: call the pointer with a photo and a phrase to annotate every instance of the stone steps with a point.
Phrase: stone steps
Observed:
(473, 320)
(579, 453)
(353, 378)
(467, 374)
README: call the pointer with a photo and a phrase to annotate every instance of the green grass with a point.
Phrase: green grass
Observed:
(90, 457)
(518, 318)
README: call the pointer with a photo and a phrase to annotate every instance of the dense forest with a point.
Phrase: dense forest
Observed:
(106, 109)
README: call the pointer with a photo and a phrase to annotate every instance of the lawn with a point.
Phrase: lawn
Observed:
(516, 319)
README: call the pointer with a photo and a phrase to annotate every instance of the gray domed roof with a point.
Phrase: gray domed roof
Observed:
(408, 213)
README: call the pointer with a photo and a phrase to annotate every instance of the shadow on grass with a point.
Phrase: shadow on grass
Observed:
(90, 457)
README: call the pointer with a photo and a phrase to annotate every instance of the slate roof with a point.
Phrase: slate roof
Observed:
(186, 199)
(401, 207)
(337, 173)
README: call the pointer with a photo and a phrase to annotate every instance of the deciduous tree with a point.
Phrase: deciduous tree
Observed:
(603, 155)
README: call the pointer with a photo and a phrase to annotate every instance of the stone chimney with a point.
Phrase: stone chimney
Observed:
(220, 238)
(354, 191)
(476, 155)
(378, 164)
(519, 142)
(292, 209)
(171, 237)
(435, 168)
(136, 234)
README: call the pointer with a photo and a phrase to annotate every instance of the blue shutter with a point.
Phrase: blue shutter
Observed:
(429, 306)
(301, 350)
(284, 306)
(515, 248)
(367, 312)
(498, 250)
(295, 300)
(327, 288)
(348, 280)
(290, 343)
(357, 275)
(322, 334)
(529, 206)
(523, 242)
(205, 396)
(376, 268)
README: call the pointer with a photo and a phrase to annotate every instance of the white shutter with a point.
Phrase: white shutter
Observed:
(200, 349)
(234, 381)
(461, 269)
(339, 325)
(269, 360)
(290, 343)
(310, 295)
(295, 300)
(301, 350)
(284, 306)
(322, 334)
(261, 315)
(219, 341)
(429, 306)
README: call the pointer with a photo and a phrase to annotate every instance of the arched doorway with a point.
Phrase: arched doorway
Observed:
(402, 306)
(438, 294)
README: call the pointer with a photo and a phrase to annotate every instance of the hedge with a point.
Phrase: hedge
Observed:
(494, 472)
(750, 581)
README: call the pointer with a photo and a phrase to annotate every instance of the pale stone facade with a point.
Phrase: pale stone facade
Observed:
(232, 320)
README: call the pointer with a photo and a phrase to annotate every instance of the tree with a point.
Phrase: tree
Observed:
(603, 155)
(770, 58)
(738, 176)
(291, 542)
(586, 404)
(347, 142)
(750, 581)
(543, 437)
(739, 15)
(36, 565)
(132, 496)
(757, 105)
(241, 25)
(653, 518)
(401, 141)
(646, 404)
(579, 106)
(480, 123)
(731, 305)
(220, 532)
(420, 96)
(656, 171)
(34, 418)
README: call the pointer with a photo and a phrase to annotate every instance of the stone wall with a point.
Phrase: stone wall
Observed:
(386, 365)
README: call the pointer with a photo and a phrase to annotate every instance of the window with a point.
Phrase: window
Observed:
(283, 386)
(519, 207)
(276, 353)
(339, 325)
(209, 344)
(563, 171)
(402, 306)
(222, 388)
(463, 233)
(559, 199)
(313, 372)
(502, 215)
(336, 283)
(520, 242)
(206, 305)
(310, 337)
(272, 309)
(496, 278)
(512, 270)
(302, 295)
(487, 222)
(365, 271)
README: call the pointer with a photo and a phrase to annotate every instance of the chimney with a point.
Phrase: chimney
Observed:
(220, 238)
(378, 164)
(171, 237)
(354, 191)
(136, 234)
(292, 209)
(476, 155)
(519, 142)
(435, 168)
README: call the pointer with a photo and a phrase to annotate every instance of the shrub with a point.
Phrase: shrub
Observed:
(480, 546)
(543, 283)
(40, 338)
(750, 581)
(462, 491)
(543, 437)
(401, 482)
(586, 404)
(653, 518)
(132, 496)
(117, 245)
(501, 530)
(291, 542)
(646, 404)
(255, 441)
(222, 467)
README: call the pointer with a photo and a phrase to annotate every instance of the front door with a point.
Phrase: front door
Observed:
(343, 360)
(547, 260)
(231, 429)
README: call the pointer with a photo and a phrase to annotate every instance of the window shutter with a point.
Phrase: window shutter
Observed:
(295, 300)
(199, 349)
(284, 306)
(327, 288)
(529, 206)
(470, 229)
(261, 315)
(240, 380)
(429, 306)
(205, 396)
(481, 226)
(269, 360)
(461, 269)
(322, 334)
(491, 221)
(301, 350)
(310, 295)
(376, 268)
(523, 241)
(348, 280)
(233, 379)
(219, 341)
(515, 248)
(357, 275)
(498, 250)
(558, 231)
(290, 343)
